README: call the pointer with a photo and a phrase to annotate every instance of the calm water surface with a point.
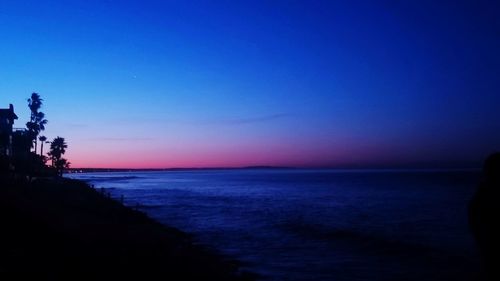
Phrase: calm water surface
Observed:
(316, 224)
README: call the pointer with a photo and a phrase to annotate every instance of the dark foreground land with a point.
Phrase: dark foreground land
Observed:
(65, 230)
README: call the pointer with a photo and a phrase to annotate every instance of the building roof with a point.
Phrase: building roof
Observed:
(8, 112)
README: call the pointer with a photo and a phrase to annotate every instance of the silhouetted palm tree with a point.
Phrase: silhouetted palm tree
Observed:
(34, 103)
(57, 149)
(42, 139)
(41, 121)
(60, 165)
(37, 118)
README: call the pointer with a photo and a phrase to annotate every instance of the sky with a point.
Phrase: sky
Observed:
(162, 84)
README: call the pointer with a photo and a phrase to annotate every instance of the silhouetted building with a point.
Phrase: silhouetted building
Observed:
(21, 144)
(7, 117)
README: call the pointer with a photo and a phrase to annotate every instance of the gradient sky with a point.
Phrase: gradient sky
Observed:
(158, 84)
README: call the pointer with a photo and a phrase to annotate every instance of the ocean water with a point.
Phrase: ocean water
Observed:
(295, 224)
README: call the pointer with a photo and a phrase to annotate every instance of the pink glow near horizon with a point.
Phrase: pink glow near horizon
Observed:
(184, 159)
(271, 154)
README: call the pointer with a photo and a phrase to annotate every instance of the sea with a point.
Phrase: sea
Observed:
(316, 224)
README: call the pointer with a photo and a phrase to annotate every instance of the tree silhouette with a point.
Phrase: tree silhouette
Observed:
(37, 118)
(42, 139)
(57, 149)
(60, 165)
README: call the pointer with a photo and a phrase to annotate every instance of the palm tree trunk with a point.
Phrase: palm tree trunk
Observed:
(41, 150)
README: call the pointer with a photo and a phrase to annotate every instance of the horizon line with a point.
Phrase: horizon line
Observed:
(281, 167)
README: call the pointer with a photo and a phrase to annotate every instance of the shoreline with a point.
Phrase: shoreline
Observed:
(63, 229)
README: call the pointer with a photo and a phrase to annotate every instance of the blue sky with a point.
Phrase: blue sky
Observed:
(236, 83)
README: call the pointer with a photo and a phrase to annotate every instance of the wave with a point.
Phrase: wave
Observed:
(366, 241)
(147, 206)
(110, 178)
